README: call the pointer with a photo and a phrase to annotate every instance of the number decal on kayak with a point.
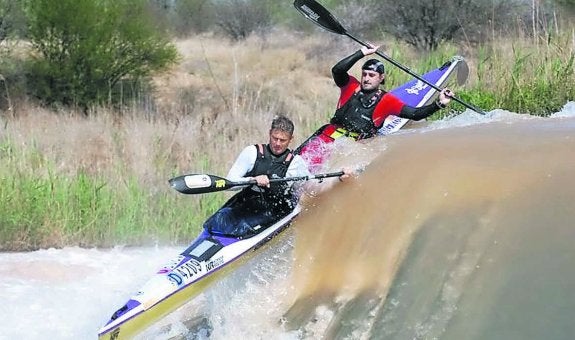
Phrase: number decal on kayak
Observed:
(220, 183)
(175, 279)
(189, 269)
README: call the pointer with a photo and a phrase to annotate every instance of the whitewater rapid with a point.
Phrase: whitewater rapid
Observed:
(462, 227)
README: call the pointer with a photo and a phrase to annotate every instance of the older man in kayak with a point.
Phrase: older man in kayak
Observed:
(256, 207)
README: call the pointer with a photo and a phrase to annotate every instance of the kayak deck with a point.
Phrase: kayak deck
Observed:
(206, 260)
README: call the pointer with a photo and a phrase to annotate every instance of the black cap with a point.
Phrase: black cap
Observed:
(374, 65)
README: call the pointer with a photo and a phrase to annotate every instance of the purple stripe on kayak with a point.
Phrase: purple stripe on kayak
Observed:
(413, 91)
(131, 304)
(225, 241)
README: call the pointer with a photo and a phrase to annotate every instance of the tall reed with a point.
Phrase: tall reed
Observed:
(523, 77)
(42, 208)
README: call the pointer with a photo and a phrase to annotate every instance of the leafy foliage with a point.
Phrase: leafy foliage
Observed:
(12, 21)
(85, 47)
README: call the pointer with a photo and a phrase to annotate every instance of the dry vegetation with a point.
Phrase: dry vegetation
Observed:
(219, 98)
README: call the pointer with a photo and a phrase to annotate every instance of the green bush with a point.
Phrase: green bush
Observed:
(86, 47)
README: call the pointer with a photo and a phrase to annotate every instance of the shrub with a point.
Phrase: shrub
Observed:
(240, 18)
(85, 47)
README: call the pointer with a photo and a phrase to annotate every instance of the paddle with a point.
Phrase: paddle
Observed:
(315, 12)
(199, 184)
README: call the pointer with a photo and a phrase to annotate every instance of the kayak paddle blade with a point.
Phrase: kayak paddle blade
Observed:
(315, 12)
(199, 184)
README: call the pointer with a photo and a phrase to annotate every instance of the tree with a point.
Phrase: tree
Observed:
(567, 9)
(193, 16)
(85, 47)
(426, 24)
(239, 18)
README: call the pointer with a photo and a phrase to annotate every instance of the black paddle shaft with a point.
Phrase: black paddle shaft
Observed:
(203, 183)
(315, 12)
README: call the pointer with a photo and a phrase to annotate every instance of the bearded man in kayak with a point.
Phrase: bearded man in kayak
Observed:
(256, 207)
(362, 106)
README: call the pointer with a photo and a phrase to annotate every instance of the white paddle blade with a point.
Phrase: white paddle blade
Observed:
(199, 181)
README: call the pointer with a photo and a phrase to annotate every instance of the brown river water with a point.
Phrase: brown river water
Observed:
(458, 229)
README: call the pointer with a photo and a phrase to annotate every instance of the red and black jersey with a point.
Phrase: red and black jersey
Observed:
(364, 113)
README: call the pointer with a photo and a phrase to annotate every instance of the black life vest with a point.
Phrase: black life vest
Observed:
(278, 195)
(356, 115)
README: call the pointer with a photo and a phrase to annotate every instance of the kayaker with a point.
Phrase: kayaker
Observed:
(362, 106)
(258, 206)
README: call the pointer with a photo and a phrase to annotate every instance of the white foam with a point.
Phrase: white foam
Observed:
(70, 293)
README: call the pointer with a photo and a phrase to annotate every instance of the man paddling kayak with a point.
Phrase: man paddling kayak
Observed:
(362, 107)
(257, 206)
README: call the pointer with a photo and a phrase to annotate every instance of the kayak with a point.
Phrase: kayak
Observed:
(210, 257)
(417, 93)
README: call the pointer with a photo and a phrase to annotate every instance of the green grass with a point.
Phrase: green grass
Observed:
(530, 79)
(39, 208)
